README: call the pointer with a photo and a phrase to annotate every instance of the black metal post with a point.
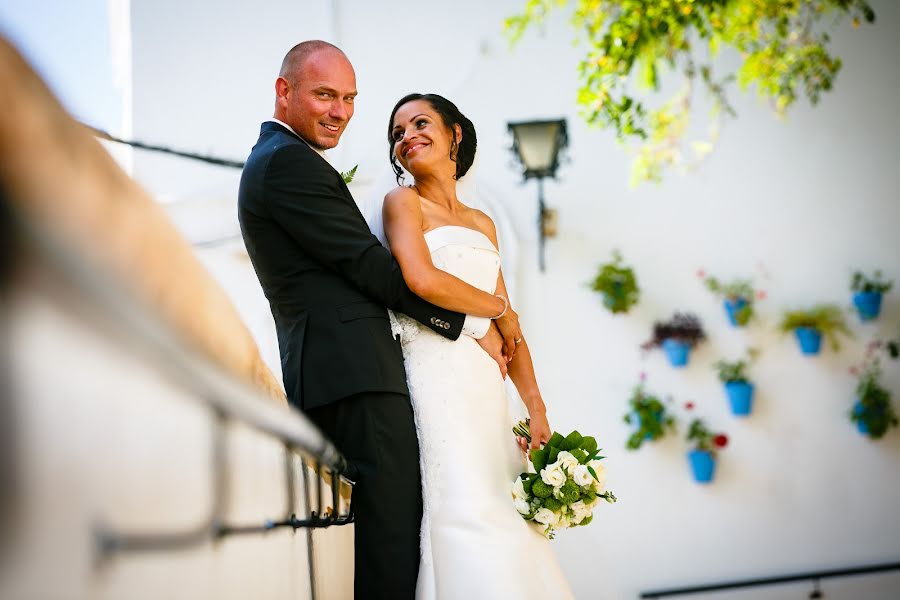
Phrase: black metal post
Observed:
(542, 211)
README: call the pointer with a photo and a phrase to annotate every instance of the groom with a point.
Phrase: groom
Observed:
(328, 281)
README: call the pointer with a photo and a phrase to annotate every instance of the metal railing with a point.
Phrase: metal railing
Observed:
(229, 400)
(813, 577)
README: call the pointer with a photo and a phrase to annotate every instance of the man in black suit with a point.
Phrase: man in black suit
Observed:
(328, 281)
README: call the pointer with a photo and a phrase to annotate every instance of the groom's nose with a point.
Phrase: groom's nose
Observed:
(339, 110)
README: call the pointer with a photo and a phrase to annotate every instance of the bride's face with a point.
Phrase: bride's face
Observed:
(422, 140)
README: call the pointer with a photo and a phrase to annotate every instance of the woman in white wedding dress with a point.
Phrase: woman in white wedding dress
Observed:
(475, 545)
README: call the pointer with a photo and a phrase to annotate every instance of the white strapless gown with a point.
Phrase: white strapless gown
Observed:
(474, 543)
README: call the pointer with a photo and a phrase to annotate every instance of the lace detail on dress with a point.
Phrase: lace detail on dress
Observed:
(403, 327)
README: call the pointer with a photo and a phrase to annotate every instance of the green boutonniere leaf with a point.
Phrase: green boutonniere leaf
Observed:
(347, 176)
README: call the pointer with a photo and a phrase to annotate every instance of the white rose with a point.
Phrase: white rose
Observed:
(546, 516)
(582, 476)
(579, 511)
(553, 476)
(522, 506)
(600, 470)
(518, 490)
(567, 460)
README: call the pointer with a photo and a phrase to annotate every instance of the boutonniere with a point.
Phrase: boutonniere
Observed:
(347, 176)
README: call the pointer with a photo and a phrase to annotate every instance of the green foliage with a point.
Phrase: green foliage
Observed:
(541, 489)
(650, 417)
(617, 284)
(734, 371)
(827, 319)
(782, 46)
(552, 503)
(875, 409)
(863, 283)
(348, 176)
(739, 289)
(569, 493)
(704, 439)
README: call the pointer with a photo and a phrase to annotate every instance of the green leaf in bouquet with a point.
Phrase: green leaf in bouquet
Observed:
(580, 455)
(554, 452)
(588, 444)
(590, 496)
(552, 503)
(539, 458)
(541, 489)
(556, 440)
(587, 520)
(572, 441)
(593, 473)
(528, 482)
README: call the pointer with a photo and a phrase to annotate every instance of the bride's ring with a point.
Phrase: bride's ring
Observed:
(517, 340)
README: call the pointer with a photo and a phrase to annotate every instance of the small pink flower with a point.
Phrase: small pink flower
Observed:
(720, 440)
(761, 295)
(643, 376)
(689, 405)
(854, 371)
(701, 273)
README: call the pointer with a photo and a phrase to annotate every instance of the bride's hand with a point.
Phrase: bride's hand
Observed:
(509, 328)
(540, 428)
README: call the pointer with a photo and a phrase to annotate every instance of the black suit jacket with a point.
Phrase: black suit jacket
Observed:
(327, 278)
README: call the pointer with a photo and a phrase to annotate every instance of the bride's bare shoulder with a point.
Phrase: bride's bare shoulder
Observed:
(484, 223)
(402, 200)
(401, 193)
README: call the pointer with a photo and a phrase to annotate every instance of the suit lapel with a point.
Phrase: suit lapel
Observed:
(348, 197)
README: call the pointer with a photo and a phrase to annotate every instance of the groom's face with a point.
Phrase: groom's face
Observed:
(319, 101)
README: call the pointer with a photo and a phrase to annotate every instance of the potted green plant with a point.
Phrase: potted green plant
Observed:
(810, 325)
(873, 412)
(677, 337)
(737, 386)
(868, 292)
(649, 415)
(702, 456)
(738, 297)
(617, 284)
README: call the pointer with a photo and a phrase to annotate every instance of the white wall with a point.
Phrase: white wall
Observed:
(797, 205)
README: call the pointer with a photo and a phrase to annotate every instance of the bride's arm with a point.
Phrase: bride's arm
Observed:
(521, 371)
(403, 228)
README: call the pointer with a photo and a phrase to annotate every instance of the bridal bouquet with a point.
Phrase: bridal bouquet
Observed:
(566, 484)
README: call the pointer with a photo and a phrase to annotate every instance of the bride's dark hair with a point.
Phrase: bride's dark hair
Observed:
(463, 153)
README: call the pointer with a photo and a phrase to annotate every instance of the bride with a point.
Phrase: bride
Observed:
(474, 543)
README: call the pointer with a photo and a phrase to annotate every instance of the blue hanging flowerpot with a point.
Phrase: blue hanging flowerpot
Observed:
(740, 396)
(677, 351)
(868, 304)
(860, 424)
(733, 309)
(810, 339)
(703, 465)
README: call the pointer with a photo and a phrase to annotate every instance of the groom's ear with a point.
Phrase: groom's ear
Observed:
(457, 133)
(282, 87)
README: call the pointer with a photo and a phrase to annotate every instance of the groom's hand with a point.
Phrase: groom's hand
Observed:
(492, 343)
(509, 328)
